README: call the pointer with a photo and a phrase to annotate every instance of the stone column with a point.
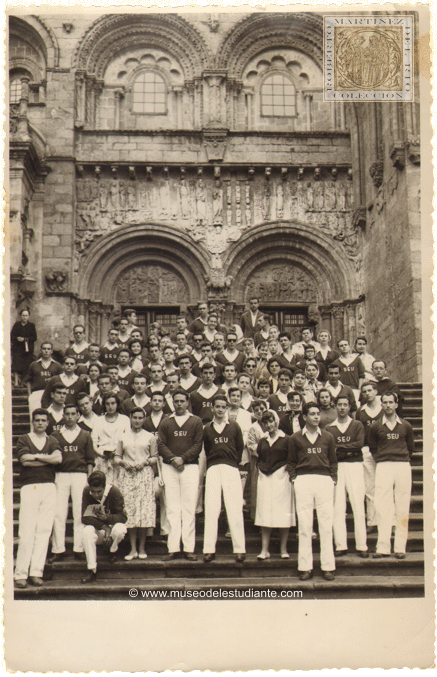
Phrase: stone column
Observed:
(22, 114)
(118, 95)
(308, 99)
(80, 98)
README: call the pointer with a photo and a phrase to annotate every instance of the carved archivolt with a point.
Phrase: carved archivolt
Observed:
(117, 32)
(259, 32)
(34, 30)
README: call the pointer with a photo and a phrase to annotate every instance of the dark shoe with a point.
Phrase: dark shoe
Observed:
(400, 555)
(190, 556)
(240, 557)
(379, 555)
(21, 583)
(305, 575)
(171, 555)
(209, 557)
(340, 553)
(112, 557)
(37, 581)
(56, 557)
(328, 575)
(79, 555)
(372, 530)
(363, 553)
(90, 578)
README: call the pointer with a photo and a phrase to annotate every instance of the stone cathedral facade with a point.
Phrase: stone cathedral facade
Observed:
(161, 159)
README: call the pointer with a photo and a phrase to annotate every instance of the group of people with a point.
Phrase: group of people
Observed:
(274, 428)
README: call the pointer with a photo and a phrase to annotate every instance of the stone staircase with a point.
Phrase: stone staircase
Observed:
(154, 579)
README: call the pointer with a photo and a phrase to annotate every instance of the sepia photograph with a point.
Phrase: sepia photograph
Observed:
(219, 245)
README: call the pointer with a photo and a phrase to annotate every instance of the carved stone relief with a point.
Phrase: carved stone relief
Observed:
(212, 209)
(281, 282)
(151, 284)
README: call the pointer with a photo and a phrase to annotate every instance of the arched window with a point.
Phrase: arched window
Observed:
(278, 96)
(15, 90)
(149, 94)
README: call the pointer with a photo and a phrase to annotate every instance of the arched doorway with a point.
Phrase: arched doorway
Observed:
(157, 270)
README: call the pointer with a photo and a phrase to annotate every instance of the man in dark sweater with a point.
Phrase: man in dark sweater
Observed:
(180, 439)
(391, 441)
(312, 465)
(384, 384)
(71, 477)
(349, 441)
(104, 517)
(38, 455)
(223, 443)
(369, 412)
(39, 373)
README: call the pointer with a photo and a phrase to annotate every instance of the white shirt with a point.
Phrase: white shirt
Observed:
(180, 420)
(207, 393)
(57, 415)
(70, 434)
(311, 436)
(219, 427)
(38, 440)
(372, 412)
(342, 426)
(390, 424)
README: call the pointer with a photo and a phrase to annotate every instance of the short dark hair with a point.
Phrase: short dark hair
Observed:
(384, 363)
(40, 412)
(180, 391)
(137, 410)
(271, 360)
(307, 328)
(263, 382)
(97, 479)
(333, 366)
(242, 373)
(69, 357)
(284, 334)
(360, 338)
(285, 372)
(71, 405)
(157, 392)
(58, 386)
(105, 375)
(309, 405)
(81, 396)
(306, 348)
(294, 393)
(234, 389)
(258, 403)
(369, 383)
(220, 395)
(124, 350)
(47, 343)
(184, 356)
(206, 366)
(390, 393)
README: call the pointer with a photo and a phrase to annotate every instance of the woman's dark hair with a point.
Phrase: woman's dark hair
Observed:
(106, 397)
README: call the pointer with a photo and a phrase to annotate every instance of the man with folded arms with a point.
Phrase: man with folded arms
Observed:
(391, 442)
(38, 455)
(180, 439)
(349, 441)
(312, 465)
(223, 443)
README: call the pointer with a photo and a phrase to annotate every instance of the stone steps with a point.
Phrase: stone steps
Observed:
(343, 587)
(356, 578)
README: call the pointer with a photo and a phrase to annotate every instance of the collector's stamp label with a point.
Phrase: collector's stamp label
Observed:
(368, 58)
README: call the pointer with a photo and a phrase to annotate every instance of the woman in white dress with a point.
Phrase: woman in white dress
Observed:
(275, 504)
(137, 458)
(107, 431)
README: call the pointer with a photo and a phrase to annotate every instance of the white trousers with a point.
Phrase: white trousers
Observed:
(350, 481)
(164, 526)
(35, 401)
(37, 512)
(68, 483)
(181, 490)
(369, 467)
(392, 504)
(202, 471)
(92, 537)
(224, 478)
(318, 491)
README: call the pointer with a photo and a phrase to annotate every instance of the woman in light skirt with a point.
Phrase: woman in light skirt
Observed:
(275, 503)
(137, 457)
(108, 429)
